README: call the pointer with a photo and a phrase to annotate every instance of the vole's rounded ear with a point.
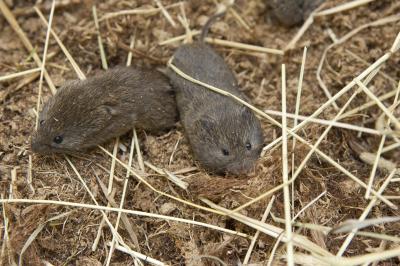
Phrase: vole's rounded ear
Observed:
(110, 106)
(205, 124)
(109, 109)
(245, 112)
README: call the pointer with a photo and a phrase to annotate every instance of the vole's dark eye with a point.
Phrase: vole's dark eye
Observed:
(248, 146)
(225, 152)
(41, 122)
(58, 139)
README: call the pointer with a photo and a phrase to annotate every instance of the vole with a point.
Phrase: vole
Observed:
(224, 135)
(292, 12)
(85, 113)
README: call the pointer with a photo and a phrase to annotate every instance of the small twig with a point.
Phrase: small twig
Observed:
(308, 206)
(36, 232)
(5, 236)
(140, 53)
(46, 45)
(63, 48)
(243, 46)
(136, 11)
(99, 40)
(391, 147)
(369, 104)
(344, 90)
(145, 258)
(380, 104)
(383, 74)
(309, 21)
(273, 251)
(109, 190)
(111, 176)
(141, 179)
(28, 45)
(113, 231)
(295, 122)
(29, 179)
(171, 158)
(231, 44)
(171, 177)
(364, 215)
(165, 13)
(273, 231)
(350, 225)
(111, 209)
(285, 174)
(374, 167)
(179, 38)
(382, 163)
(130, 161)
(239, 19)
(342, 40)
(19, 74)
(138, 152)
(343, 7)
(330, 123)
(255, 237)
(185, 23)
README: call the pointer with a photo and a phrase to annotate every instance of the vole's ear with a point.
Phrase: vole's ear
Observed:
(109, 109)
(163, 70)
(205, 124)
(245, 112)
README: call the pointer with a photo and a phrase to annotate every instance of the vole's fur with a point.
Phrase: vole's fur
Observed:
(293, 12)
(224, 135)
(89, 112)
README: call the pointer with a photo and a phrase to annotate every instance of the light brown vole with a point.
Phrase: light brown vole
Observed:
(224, 135)
(83, 114)
(293, 12)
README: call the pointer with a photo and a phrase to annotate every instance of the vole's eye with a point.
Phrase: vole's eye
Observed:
(58, 139)
(41, 122)
(225, 152)
(248, 146)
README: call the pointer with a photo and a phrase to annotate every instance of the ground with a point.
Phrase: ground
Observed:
(68, 239)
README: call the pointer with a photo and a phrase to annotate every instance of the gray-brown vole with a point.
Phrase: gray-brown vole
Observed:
(224, 135)
(85, 113)
(292, 12)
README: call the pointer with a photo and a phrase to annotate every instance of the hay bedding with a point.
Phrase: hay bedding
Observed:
(63, 235)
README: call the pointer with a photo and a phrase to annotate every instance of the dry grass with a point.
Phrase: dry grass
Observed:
(87, 210)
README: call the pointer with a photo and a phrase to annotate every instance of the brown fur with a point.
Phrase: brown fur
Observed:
(224, 135)
(90, 112)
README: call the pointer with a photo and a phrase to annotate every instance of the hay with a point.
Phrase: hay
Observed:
(312, 176)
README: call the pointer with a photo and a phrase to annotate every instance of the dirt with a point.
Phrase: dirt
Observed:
(68, 240)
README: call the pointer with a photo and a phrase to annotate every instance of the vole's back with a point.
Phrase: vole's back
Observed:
(292, 12)
(224, 135)
(201, 62)
(86, 113)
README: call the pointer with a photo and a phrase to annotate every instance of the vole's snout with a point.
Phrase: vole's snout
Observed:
(37, 146)
(245, 167)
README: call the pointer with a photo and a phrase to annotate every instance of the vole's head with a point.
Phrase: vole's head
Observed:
(229, 141)
(69, 121)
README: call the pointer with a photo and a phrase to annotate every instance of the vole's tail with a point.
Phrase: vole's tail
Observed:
(221, 12)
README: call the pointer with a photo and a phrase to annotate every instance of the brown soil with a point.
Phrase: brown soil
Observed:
(68, 240)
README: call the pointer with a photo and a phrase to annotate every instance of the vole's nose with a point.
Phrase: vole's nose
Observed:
(246, 167)
(37, 147)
